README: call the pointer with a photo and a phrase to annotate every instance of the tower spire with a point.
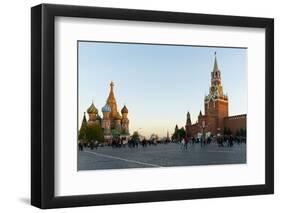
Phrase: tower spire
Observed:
(111, 101)
(84, 121)
(216, 63)
(84, 118)
(111, 97)
(111, 86)
(188, 120)
(188, 115)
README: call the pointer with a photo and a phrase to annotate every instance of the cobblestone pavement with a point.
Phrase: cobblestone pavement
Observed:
(161, 155)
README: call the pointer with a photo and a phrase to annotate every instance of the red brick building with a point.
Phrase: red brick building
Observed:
(216, 117)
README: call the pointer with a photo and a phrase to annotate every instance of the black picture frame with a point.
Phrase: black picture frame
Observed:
(43, 105)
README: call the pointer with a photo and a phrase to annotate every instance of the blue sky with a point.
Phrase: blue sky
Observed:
(158, 83)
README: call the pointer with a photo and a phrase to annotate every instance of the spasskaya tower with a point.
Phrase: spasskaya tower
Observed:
(216, 102)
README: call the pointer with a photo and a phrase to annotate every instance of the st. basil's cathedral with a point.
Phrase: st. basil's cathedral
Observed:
(112, 123)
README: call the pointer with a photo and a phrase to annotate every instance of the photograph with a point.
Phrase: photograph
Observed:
(133, 105)
(146, 105)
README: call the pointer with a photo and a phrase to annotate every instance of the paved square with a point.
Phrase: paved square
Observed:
(160, 155)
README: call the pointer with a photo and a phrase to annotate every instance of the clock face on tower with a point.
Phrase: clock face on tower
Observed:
(214, 89)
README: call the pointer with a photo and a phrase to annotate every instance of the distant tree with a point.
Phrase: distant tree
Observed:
(94, 132)
(154, 137)
(179, 133)
(175, 134)
(82, 133)
(136, 136)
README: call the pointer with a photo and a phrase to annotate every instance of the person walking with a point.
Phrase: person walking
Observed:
(80, 146)
(182, 143)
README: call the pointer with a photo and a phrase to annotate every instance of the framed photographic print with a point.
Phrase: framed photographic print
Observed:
(139, 106)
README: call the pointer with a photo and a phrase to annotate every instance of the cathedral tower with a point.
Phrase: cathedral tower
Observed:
(188, 125)
(112, 102)
(188, 120)
(93, 114)
(125, 120)
(117, 122)
(105, 123)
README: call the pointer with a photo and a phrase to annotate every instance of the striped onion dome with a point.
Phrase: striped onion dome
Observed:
(92, 109)
(124, 109)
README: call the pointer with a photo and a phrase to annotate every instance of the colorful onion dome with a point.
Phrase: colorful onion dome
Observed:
(106, 108)
(124, 109)
(118, 116)
(92, 109)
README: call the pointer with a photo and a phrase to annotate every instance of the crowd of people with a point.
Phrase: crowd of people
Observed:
(117, 142)
(221, 141)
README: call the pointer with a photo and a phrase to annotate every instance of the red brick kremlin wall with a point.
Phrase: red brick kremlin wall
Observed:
(236, 122)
